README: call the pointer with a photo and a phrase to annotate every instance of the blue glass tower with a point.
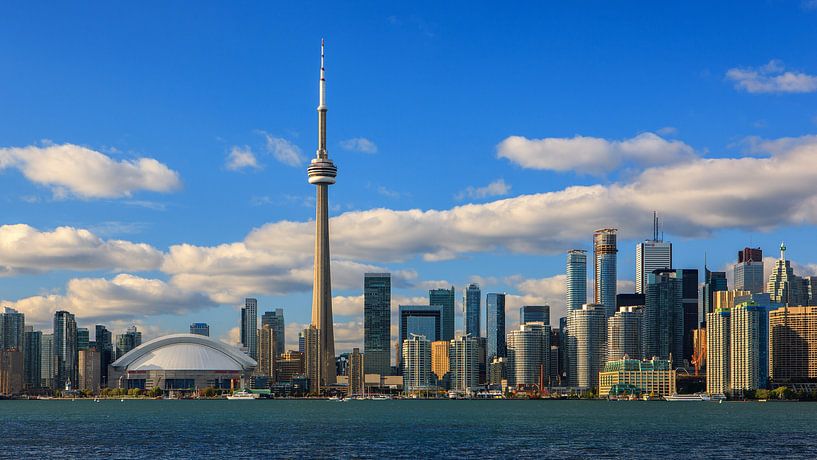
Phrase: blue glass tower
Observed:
(445, 299)
(472, 305)
(495, 326)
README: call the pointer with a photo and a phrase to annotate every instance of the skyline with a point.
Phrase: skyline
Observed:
(142, 245)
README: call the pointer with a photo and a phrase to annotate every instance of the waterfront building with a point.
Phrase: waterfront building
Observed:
(12, 329)
(624, 334)
(718, 351)
(48, 361)
(713, 282)
(689, 307)
(445, 299)
(784, 286)
(183, 363)
(749, 270)
(498, 371)
(651, 255)
(104, 345)
(290, 365)
(322, 173)
(605, 255)
(558, 364)
(587, 345)
(654, 377)
(377, 322)
(663, 321)
(749, 346)
(495, 326)
(11, 371)
(200, 329)
(472, 305)
(576, 279)
(534, 314)
(275, 319)
(65, 349)
(249, 327)
(312, 359)
(356, 374)
(126, 342)
(83, 338)
(33, 350)
(528, 360)
(793, 346)
(425, 320)
(267, 352)
(464, 363)
(89, 369)
(440, 359)
(416, 363)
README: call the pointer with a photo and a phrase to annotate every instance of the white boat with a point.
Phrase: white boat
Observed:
(379, 398)
(693, 397)
(243, 395)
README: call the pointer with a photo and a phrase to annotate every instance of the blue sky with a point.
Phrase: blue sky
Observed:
(423, 100)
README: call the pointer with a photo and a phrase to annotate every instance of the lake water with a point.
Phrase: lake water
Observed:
(406, 429)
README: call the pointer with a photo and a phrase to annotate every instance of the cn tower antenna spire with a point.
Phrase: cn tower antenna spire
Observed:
(321, 153)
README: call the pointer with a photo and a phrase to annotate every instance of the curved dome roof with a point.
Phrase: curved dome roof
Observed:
(184, 352)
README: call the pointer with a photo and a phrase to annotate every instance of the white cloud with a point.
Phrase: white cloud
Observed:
(124, 296)
(592, 155)
(24, 249)
(359, 144)
(771, 78)
(496, 188)
(284, 151)
(233, 337)
(72, 170)
(241, 158)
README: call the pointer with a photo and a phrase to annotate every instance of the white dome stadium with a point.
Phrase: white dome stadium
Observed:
(184, 352)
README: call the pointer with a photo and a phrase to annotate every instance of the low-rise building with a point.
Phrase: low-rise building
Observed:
(654, 377)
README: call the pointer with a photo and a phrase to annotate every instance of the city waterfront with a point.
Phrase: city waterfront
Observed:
(406, 429)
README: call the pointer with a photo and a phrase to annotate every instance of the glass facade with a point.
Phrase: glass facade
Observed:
(275, 319)
(377, 323)
(576, 279)
(495, 326)
(605, 253)
(472, 304)
(534, 314)
(663, 321)
(445, 299)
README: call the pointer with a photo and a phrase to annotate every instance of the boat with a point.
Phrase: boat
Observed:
(242, 395)
(692, 397)
(379, 398)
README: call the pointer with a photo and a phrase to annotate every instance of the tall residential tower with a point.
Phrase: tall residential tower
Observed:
(604, 268)
(377, 323)
(576, 272)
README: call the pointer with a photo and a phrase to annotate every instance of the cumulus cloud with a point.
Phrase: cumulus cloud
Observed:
(496, 188)
(771, 78)
(241, 158)
(284, 151)
(592, 155)
(25, 249)
(124, 296)
(359, 144)
(72, 170)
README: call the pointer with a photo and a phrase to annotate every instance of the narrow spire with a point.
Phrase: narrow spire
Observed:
(782, 251)
(321, 153)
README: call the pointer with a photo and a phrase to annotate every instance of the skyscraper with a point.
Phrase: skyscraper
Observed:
(495, 326)
(104, 345)
(784, 286)
(425, 320)
(534, 314)
(471, 304)
(793, 345)
(322, 173)
(717, 350)
(33, 352)
(65, 349)
(689, 305)
(749, 346)
(249, 327)
(356, 374)
(416, 363)
(267, 352)
(312, 359)
(275, 319)
(83, 338)
(624, 334)
(663, 321)
(528, 360)
(12, 329)
(440, 360)
(126, 342)
(576, 282)
(464, 363)
(48, 362)
(444, 298)
(749, 270)
(713, 282)
(200, 329)
(651, 255)
(89, 371)
(605, 255)
(586, 342)
(377, 323)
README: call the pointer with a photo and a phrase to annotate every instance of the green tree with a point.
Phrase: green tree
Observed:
(155, 392)
(134, 392)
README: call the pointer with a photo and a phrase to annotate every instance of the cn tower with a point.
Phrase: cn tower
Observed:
(322, 173)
